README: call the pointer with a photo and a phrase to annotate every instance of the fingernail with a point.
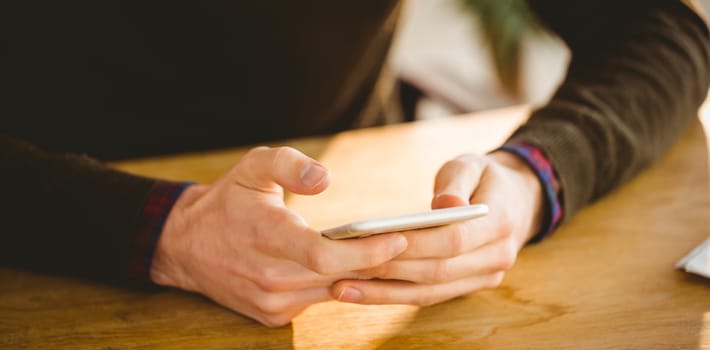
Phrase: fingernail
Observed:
(440, 195)
(350, 295)
(313, 174)
(398, 246)
(443, 200)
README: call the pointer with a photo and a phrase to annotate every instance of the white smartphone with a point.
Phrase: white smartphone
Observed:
(436, 217)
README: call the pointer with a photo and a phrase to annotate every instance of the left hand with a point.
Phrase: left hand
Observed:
(449, 261)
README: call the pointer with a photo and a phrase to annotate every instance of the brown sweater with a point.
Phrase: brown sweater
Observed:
(119, 80)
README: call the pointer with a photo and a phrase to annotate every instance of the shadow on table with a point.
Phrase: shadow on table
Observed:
(41, 311)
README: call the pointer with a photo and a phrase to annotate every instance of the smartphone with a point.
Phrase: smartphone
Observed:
(432, 218)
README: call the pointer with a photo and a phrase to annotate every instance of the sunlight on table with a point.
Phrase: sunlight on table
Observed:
(705, 331)
(705, 114)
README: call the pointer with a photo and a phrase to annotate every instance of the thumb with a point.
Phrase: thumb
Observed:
(456, 181)
(265, 168)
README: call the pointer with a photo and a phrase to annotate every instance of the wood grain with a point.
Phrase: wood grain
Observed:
(605, 280)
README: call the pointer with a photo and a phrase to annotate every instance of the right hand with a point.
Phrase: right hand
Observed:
(236, 243)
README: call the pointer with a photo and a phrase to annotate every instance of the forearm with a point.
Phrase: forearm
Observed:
(634, 84)
(68, 213)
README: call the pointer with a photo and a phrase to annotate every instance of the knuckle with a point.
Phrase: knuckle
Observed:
(462, 164)
(457, 241)
(270, 280)
(380, 271)
(259, 149)
(318, 261)
(271, 304)
(284, 152)
(373, 260)
(507, 256)
(282, 215)
(251, 160)
(505, 228)
(375, 257)
(441, 272)
(449, 165)
(274, 321)
(494, 280)
(254, 153)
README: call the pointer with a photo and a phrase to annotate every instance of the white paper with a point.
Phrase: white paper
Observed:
(698, 260)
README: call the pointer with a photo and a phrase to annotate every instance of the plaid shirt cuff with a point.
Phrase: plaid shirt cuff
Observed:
(150, 225)
(542, 167)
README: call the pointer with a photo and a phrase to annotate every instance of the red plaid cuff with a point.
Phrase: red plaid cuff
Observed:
(542, 167)
(150, 225)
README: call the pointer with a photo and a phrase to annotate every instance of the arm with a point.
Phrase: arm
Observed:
(66, 213)
(233, 241)
(634, 84)
(637, 77)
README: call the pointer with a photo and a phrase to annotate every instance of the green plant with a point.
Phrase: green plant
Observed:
(504, 24)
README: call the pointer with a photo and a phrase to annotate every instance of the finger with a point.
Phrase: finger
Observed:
(451, 240)
(456, 180)
(280, 308)
(403, 292)
(324, 256)
(448, 200)
(264, 168)
(488, 259)
(278, 275)
(244, 296)
(270, 309)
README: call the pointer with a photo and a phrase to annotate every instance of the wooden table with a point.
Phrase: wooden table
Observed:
(605, 280)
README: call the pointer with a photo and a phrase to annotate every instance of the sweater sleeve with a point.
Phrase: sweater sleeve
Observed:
(68, 213)
(639, 72)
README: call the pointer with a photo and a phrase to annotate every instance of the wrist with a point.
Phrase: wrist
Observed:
(533, 196)
(166, 267)
(538, 163)
(159, 203)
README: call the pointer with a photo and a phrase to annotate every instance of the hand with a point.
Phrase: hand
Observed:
(236, 243)
(446, 262)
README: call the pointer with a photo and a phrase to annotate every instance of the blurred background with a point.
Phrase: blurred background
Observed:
(440, 50)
